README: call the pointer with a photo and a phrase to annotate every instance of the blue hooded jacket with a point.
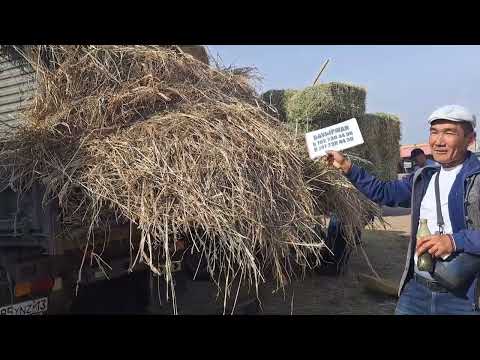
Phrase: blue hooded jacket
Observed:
(409, 192)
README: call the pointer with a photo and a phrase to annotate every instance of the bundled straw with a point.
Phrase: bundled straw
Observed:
(279, 100)
(323, 105)
(152, 136)
(381, 132)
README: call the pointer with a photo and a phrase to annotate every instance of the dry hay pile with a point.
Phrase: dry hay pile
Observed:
(324, 105)
(381, 133)
(151, 136)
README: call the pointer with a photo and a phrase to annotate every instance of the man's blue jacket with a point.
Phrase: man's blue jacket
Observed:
(409, 192)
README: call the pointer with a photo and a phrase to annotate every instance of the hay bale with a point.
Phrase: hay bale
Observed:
(149, 136)
(326, 104)
(381, 133)
(279, 100)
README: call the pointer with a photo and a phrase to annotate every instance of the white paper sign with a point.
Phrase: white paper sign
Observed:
(337, 137)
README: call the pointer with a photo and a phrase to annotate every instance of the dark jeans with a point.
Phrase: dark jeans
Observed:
(417, 299)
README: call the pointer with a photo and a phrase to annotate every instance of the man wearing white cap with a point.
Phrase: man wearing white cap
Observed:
(449, 198)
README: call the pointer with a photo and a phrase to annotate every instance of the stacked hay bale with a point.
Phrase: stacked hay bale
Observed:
(328, 104)
(324, 105)
(381, 132)
(279, 100)
(150, 136)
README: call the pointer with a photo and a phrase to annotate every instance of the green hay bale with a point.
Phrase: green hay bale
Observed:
(381, 133)
(279, 99)
(325, 105)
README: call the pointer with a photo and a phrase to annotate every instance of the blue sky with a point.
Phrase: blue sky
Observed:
(407, 80)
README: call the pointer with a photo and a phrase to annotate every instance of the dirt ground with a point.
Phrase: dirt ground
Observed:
(386, 251)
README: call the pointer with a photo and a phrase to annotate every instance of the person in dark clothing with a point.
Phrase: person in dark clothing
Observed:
(418, 156)
(335, 264)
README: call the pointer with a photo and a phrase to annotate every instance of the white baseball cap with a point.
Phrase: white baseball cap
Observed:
(455, 113)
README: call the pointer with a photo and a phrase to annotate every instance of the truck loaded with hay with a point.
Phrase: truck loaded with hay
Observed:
(146, 158)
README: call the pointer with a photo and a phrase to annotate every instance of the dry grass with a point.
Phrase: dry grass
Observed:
(152, 136)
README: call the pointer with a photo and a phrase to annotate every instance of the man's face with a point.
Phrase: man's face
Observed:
(448, 142)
